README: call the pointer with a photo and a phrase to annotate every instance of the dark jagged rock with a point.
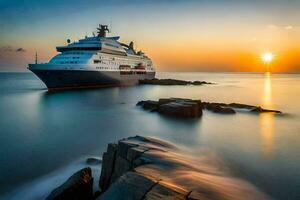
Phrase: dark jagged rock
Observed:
(218, 108)
(93, 161)
(78, 187)
(262, 110)
(156, 81)
(148, 105)
(223, 110)
(241, 106)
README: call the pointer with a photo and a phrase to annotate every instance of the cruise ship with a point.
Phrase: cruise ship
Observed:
(95, 61)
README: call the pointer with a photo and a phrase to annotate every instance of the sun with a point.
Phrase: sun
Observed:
(267, 57)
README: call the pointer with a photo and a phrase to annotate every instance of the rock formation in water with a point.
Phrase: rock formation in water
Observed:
(174, 107)
(93, 161)
(156, 81)
(140, 168)
(78, 187)
(188, 108)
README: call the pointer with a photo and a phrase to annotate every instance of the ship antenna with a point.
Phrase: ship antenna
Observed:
(36, 57)
(110, 28)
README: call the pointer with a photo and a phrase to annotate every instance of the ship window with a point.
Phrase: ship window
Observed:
(96, 61)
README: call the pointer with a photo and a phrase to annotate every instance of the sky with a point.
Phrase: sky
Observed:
(195, 35)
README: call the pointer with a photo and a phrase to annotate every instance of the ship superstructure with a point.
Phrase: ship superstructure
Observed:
(93, 62)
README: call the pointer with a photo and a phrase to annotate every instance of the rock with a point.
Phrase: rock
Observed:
(164, 172)
(130, 186)
(218, 108)
(156, 81)
(174, 107)
(148, 105)
(93, 161)
(166, 191)
(78, 187)
(108, 163)
(200, 82)
(223, 110)
(183, 109)
(262, 110)
(239, 105)
(189, 108)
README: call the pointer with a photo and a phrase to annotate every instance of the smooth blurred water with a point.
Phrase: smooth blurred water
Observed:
(41, 132)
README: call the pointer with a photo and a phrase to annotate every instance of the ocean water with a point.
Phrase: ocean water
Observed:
(45, 137)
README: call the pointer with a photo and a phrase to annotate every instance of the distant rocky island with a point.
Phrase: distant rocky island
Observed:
(156, 81)
(189, 108)
(140, 168)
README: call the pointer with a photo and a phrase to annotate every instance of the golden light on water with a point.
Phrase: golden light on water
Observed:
(267, 119)
(267, 95)
(267, 135)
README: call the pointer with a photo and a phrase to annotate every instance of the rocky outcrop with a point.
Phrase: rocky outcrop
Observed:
(156, 81)
(218, 108)
(140, 168)
(78, 187)
(188, 108)
(93, 161)
(262, 110)
(174, 107)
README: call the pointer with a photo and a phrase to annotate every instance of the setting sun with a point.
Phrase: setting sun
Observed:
(267, 57)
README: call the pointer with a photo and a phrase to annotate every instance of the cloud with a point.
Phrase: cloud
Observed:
(20, 50)
(272, 26)
(11, 49)
(6, 48)
(288, 27)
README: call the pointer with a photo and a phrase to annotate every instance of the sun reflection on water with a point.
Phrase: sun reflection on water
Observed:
(267, 119)
(267, 95)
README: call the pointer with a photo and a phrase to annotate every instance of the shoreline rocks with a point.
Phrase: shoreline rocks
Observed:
(144, 168)
(188, 108)
(78, 187)
(156, 81)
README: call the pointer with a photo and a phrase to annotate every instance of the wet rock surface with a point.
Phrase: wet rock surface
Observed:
(146, 168)
(188, 108)
(78, 187)
(156, 81)
(139, 168)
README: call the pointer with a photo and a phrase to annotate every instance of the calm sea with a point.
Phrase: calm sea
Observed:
(45, 136)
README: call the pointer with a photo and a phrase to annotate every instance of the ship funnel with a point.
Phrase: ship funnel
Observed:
(102, 29)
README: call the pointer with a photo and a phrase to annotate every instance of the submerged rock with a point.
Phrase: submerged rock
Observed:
(218, 108)
(262, 110)
(149, 168)
(156, 81)
(93, 161)
(78, 187)
(148, 105)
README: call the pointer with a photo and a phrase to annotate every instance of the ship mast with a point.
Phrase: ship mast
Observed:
(36, 58)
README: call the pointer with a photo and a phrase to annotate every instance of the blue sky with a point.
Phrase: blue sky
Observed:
(155, 26)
